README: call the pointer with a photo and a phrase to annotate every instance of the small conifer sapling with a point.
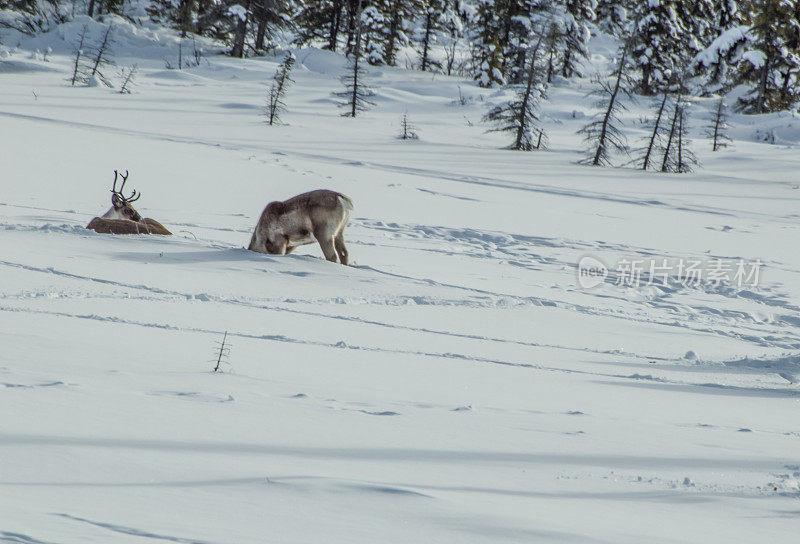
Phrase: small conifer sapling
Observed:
(222, 353)
(101, 57)
(77, 76)
(277, 92)
(408, 131)
(128, 75)
(717, 130)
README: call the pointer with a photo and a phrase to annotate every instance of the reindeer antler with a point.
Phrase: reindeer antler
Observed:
(134, 195)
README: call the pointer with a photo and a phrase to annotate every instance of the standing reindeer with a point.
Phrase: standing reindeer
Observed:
(122, 218)
(318, 215)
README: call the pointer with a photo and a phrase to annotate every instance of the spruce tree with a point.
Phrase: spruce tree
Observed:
(247, 24)
(604, 135)
(269, 15)
(723, 40)
(356, 94)
(717, 129)
(554, 36)
(277, 92)
(522, 20)
(516, 22)
(715, 65)
(434, 19)
(77, 75)
(576, 34)
(654, 141)
(487, 51)
(772, 63)
(373, 35)
(204, 17)
(101, 57)
(408, 131)
(128, 75)
(678, 156)
(353, 11)
(26, 6)
(323, 20)
(241, 14)
(685, 160)
(612, 15)
(662, 40)
(398, 14)
(667, 149)
(521, 115)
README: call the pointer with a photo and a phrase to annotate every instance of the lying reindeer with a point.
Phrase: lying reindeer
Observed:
(318, 215)
(121, 218)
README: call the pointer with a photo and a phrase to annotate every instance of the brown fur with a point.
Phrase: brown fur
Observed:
(126, 226)
(122, 218)
(319, 216)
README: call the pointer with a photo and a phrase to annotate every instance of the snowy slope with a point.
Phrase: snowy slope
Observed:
(456, 385)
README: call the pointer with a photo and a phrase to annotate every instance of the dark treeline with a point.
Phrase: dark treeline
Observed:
(709, 45)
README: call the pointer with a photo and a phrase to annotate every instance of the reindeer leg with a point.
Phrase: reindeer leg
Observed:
(325, 239)
(338, 242)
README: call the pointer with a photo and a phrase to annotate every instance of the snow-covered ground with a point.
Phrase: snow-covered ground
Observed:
(455, 385)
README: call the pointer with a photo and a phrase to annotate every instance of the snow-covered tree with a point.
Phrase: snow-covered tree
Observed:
(269, 16)
(488, 53)
(723, 41)
(520, 116)
(662, 41)
(612, 15)
(356, 94)
(437, 20)
(523, 22)
(180, 14)
(25, 6)
(373, 29)
(385, 25)
(514, 28)
(398, 15)
(716, 64)
(241, 14)
(771, 63)
(577, 16)
(247, 25)
(554, 36)
(98, 7)
(323, 20)
(603, 135)
(727, 14)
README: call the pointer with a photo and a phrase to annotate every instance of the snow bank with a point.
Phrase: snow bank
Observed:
(145, 42)
(787, 367)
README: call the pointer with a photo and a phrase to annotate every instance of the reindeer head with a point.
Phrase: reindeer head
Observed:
(120, 204)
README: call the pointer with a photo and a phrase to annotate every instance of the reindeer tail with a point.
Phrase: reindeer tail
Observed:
(346, 202)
